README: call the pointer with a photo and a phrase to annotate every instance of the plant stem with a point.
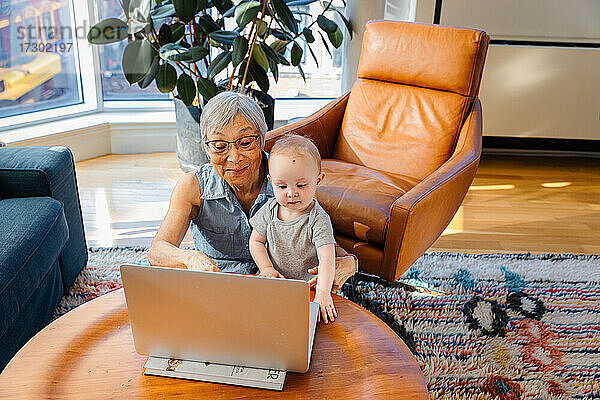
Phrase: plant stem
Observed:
(196, 72)
(230, 83)
(183, 66)
(124, 10)
(262, 15)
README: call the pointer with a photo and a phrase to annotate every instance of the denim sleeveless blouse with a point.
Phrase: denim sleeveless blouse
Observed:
(221, 229)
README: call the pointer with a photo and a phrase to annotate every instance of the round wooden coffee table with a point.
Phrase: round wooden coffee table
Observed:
(89, 353)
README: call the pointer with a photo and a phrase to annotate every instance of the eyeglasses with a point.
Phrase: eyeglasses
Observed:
(223, 146)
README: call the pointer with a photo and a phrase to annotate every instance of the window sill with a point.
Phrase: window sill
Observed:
(97, 119)
(121, 129)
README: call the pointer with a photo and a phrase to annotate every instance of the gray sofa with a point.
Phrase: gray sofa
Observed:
(42, 242)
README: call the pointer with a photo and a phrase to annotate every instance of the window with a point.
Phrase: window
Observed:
(114, 84)
(48, 70)
(39, 67)
(323, 80)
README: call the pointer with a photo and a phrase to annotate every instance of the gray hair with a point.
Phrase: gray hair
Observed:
(222, 109)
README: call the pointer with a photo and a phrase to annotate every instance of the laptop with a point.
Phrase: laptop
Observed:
(220, 317)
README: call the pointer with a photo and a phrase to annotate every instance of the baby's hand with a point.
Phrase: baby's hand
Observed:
(270, 273)
(326, 307)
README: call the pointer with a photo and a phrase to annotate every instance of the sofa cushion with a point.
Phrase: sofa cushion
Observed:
(34, 231)
(48, 171)
(358, 199)
(36, 315)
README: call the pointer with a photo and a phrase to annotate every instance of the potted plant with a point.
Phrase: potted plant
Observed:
(195, 49)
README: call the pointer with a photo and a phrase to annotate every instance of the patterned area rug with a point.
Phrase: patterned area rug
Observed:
(481, 326)
(100, 276)
(496, 326)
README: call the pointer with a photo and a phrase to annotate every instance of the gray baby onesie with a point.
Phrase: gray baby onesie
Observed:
(292, 245)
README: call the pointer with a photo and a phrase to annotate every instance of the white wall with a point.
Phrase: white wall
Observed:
(359, 12)
(554, 20)
(536, 91)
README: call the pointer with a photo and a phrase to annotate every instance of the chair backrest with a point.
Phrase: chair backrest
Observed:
(416, 84)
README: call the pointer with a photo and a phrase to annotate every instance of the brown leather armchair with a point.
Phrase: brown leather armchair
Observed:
(401, 148)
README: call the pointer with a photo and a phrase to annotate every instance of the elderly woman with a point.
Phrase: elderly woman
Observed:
(220, 198)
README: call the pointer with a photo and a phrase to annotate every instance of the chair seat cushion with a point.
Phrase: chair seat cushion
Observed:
(358, 199)
(33, 231)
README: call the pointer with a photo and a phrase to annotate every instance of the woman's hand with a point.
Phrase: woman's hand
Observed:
(270, 272)
(197, 261)
(326, 308)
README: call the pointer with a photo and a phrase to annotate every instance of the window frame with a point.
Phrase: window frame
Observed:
(84, 15)
(85, 66)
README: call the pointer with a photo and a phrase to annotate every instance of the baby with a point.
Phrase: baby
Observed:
(291, 232)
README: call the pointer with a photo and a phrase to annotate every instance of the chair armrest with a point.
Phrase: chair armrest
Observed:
(418, 218)
(48, 172)
(322, 127)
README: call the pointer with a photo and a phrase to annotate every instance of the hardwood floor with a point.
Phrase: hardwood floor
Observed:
(515, 204)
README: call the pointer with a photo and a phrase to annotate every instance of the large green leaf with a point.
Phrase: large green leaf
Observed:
(325, 44)
(177, 31)
(219, 64)
(223, 5)
(240, 49)
(139, 16)
(207, 24)
(272, 59)
(165, 35)
(260, 76)
(274, 70)
(172, 51)
(336, 38)
(299, 2)
(207, 89)
(162, 12)
(185, 9)
(201, 5)
(192, 55)
(301, 71)
(286, 16)
(259, 57)
(283, 60)
(166, 79)
(308, 35)
(246, 12)
(151, 74)
(262, 28)
(134, 26)
(326, 24)
(198, 53)
(269, 52)
(141, 7)
(296, 54)
(109, 30)
(280, 34)
(137, 59)
(224, 37)
(186, 89)
(278, 46)
(312, 53)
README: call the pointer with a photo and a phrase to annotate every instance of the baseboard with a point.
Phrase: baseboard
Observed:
(132, 138)
(111, 138)
(117, 137)
(85, 143)
(500, 145)
(141, 138)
